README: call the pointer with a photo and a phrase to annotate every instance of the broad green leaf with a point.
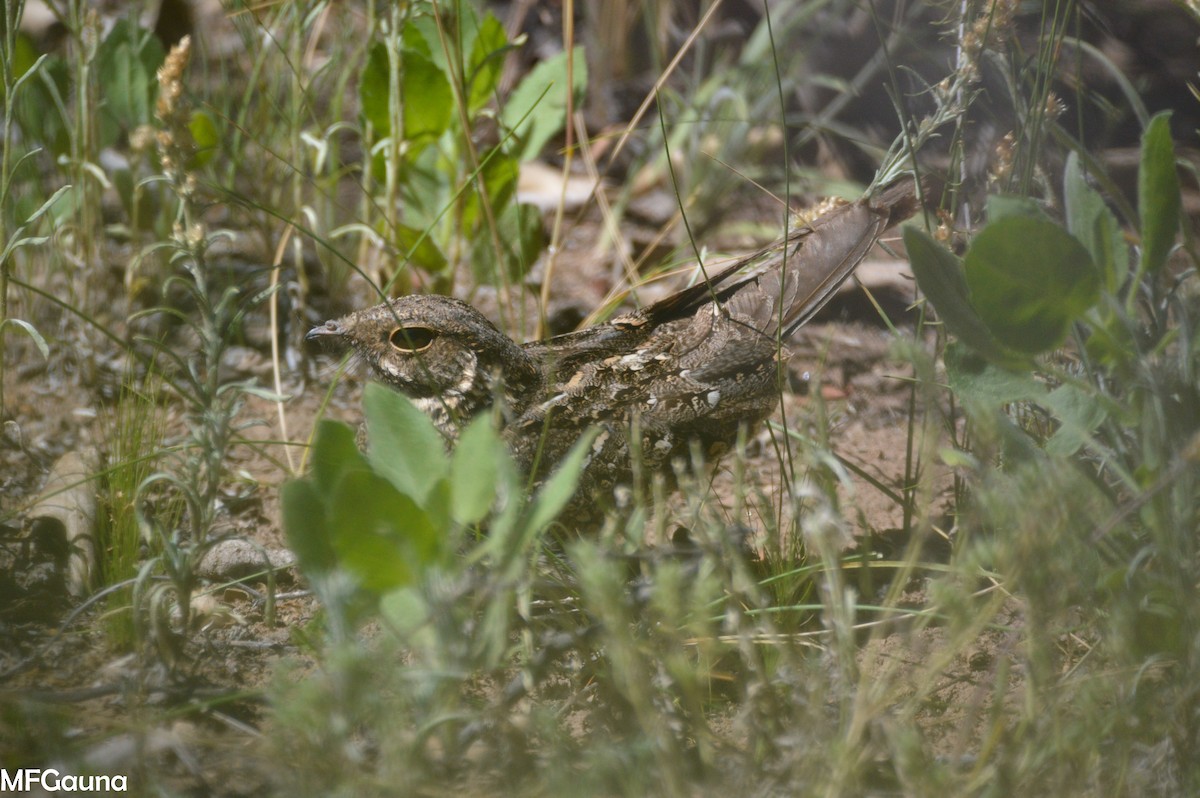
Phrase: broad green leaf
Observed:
(126, 65)
(334, 453)
(939, 274)
(205, 137)
(428, 100)
(475, 470)
(486, 62)
(1090, 220)
(380, 535)
(428, 188)
(373, 91)
(306, 528)
(1002, 206)
(456, 31)
(425, 94)
(984, 384)
(419, 248)
(1158, 193)
(403, 445)
(1029, 280)
(421, 35)
(984, 389)
(537, 108)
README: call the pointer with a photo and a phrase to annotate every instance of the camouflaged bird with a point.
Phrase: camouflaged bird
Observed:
(692, 368)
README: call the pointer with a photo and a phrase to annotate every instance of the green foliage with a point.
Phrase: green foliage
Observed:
(1095, 226)
(1024, 281)
(1029, 280)
(135, 432)
(205, 138)
(392, 518)
(1085, 493)
(536, 110)
(424, 93)
(489, 641)
(939, 272)
(41, 97)
(427, 100)
(126, 63)
(1158, 194)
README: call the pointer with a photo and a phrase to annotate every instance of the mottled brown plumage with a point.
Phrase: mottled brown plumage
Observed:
(691, 368)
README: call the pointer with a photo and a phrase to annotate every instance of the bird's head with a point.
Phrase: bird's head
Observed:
(439, 351)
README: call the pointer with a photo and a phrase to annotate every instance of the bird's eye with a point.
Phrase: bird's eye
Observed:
(412, 339)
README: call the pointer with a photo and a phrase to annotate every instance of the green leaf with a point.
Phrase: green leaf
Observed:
(126, 65)
(373, 91)
(1002, 206)
(421, 35)
(939, 274)
(1158, 193)
(499, 173)
(63, 205)
(428, 100)
(25, 57)
(475, 470)
(334, 453)
(32, 332)
(983, 384)
(560, 487)
(48, 204)
(419, 248)
(1111, 342)
(380, 535)
(425, 93)
(1079, 414)
(305, 525)
(1029, 280)
(403, 445)
(537, 108)
(984, 389)
(205, 137)
(1090, 220)
(487, 61)
(407, 614)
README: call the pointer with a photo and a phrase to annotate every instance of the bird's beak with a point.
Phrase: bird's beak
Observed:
(330, 329)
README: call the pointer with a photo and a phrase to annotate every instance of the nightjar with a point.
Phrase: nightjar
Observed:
(691, 368)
